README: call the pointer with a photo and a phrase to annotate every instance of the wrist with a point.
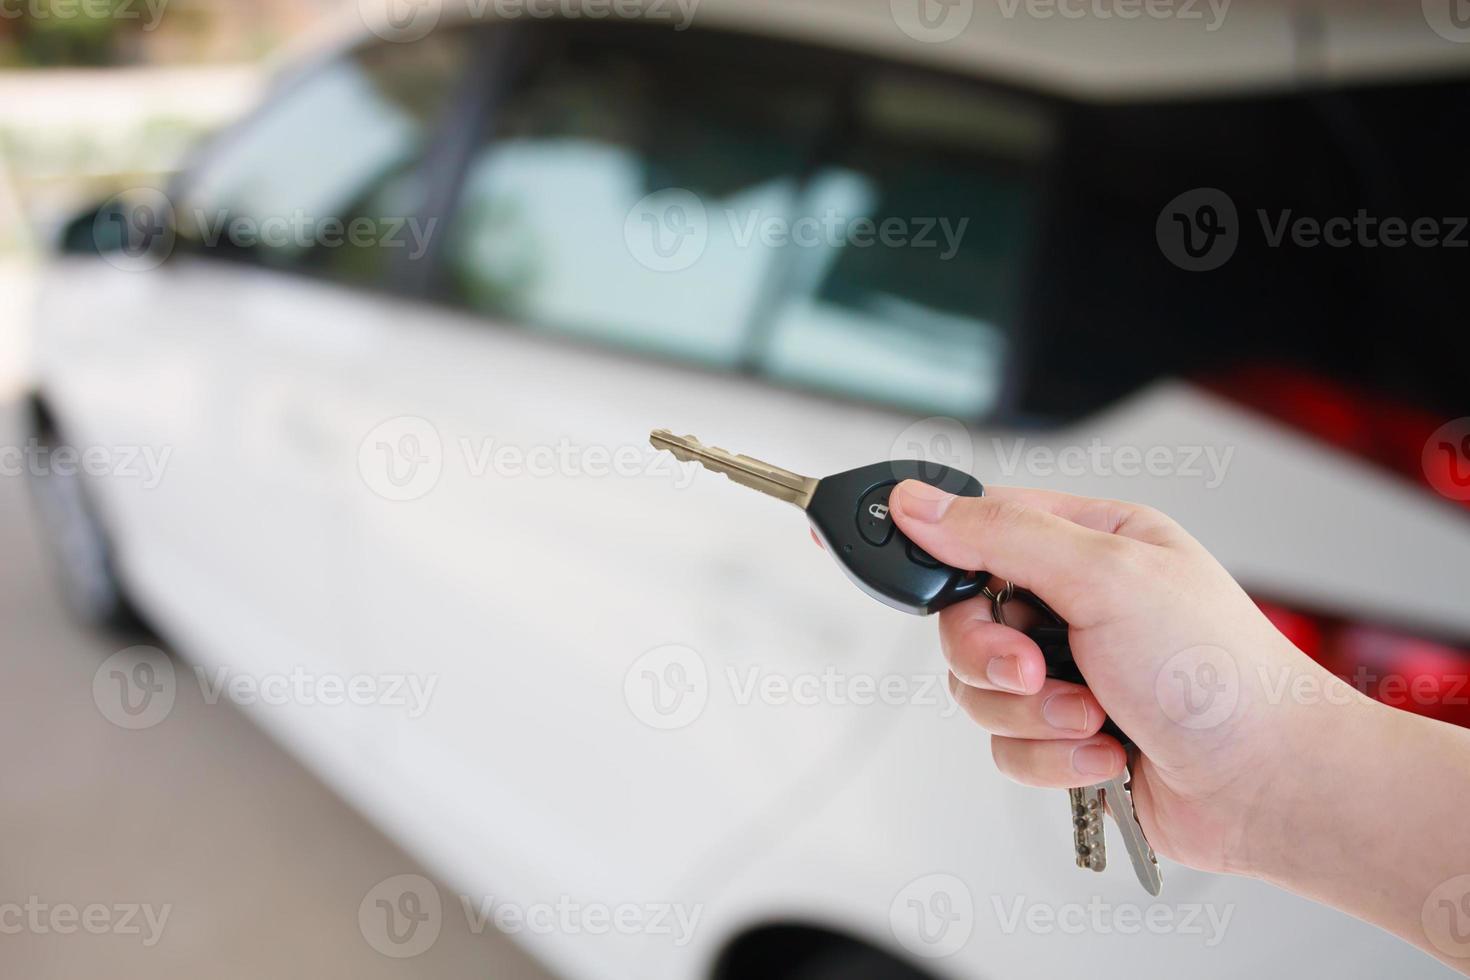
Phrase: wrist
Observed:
(1317, 736)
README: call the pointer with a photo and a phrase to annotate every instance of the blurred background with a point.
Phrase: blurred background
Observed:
(354, 316)
(211, 816)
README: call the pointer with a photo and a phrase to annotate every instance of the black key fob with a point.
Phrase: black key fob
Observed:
(849, 512)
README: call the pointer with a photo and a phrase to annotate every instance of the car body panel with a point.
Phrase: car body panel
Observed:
(1100, 52)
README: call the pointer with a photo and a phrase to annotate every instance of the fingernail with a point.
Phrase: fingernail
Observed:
(1094, 760)
(923, 502)
(1066, 711)
(1005, 673)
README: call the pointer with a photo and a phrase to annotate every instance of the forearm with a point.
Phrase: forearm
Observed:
(1370, 813)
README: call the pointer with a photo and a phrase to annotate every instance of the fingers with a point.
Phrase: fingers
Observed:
(987, 655)
(1006, 535)
(1058, 711)
(1061, 764)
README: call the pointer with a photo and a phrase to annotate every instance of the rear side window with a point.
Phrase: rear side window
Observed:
(930, 202)
(744, 204)
(327, 178)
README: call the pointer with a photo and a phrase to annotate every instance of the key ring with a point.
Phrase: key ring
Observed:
(998, 600)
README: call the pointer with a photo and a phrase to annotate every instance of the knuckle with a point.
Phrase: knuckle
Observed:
(1150, 516)
(1148, 524)
(959, 644)
(964, 617)
(1126, 561)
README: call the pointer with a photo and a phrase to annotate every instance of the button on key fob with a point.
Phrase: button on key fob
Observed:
(873, 551)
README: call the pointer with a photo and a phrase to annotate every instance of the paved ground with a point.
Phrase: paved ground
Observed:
(261, 869)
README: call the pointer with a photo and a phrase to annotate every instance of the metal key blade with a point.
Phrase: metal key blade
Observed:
(1119, 797)
(1088, 842)
(772, 480)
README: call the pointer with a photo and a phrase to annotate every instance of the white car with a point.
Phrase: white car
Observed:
(367, 397)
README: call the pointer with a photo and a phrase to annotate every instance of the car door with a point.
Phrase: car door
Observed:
(235, 350)
(613, 634)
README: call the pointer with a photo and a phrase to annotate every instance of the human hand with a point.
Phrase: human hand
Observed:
(1172, 648)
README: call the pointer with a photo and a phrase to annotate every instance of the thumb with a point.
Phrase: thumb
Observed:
(1061, 561)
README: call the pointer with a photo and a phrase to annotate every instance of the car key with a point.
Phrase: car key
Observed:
(849, 512)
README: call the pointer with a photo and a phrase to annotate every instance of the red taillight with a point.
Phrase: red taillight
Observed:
(1389, 434)
(1427, 676)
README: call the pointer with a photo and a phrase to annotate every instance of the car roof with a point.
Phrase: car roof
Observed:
(1092, 50)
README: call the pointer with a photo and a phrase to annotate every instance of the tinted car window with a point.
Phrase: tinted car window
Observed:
(327, 177)
(748, 204)
(602, 204)
(912, 294)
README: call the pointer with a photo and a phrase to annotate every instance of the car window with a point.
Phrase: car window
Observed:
(821, 221)
(912, 297)
(327, 178)
(609, 202)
